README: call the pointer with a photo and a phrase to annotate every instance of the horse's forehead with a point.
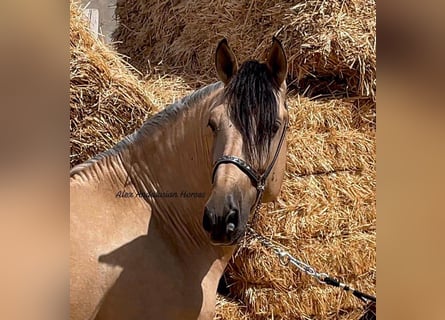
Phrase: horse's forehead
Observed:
(220, 107)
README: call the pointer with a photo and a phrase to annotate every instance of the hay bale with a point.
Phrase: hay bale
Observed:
(107, 101)
(326, 212)
(333, 41)
(230, 310)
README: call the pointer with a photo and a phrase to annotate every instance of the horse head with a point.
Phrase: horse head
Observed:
(249, 122)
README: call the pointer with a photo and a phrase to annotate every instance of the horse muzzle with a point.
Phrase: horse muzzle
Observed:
(223, 229)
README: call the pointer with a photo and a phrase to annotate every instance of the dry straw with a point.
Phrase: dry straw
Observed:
(326, 213)
(330, 40)
(107, 102)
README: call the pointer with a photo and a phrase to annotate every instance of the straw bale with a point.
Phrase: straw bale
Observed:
(364, 115)
(330, 44)
(230, 310)
(107, 101)
(165, 89)
(274, 305)
(325, 215)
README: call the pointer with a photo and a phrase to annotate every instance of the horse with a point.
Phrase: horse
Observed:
(156, 218)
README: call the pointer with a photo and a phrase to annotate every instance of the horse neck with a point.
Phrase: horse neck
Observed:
(105, 168)
(171, 163)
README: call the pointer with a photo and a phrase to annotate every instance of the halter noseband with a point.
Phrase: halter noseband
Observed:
(258, 180)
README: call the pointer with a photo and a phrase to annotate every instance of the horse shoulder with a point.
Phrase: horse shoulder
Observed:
(100, 222)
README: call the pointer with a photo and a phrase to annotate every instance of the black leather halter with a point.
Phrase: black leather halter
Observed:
(258, 180)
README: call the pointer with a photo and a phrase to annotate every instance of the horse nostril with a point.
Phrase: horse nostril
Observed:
(207, 220)
(232, 220)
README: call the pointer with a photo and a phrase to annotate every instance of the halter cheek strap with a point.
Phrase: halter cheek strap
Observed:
(258, 180)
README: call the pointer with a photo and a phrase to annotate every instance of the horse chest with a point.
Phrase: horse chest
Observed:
(156, 282)
(156, 287)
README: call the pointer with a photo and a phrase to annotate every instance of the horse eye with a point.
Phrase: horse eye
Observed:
(212, 125)
(276, 126)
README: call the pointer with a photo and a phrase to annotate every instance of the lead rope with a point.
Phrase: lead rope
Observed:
(286, 258)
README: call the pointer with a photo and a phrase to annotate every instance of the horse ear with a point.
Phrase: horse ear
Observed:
(225, 62)
(277, 61)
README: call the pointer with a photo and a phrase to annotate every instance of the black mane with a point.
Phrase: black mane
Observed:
(252, 103)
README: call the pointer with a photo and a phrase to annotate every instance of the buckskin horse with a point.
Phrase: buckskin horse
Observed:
(155, 219)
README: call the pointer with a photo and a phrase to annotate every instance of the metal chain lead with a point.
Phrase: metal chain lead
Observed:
(285, 257)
